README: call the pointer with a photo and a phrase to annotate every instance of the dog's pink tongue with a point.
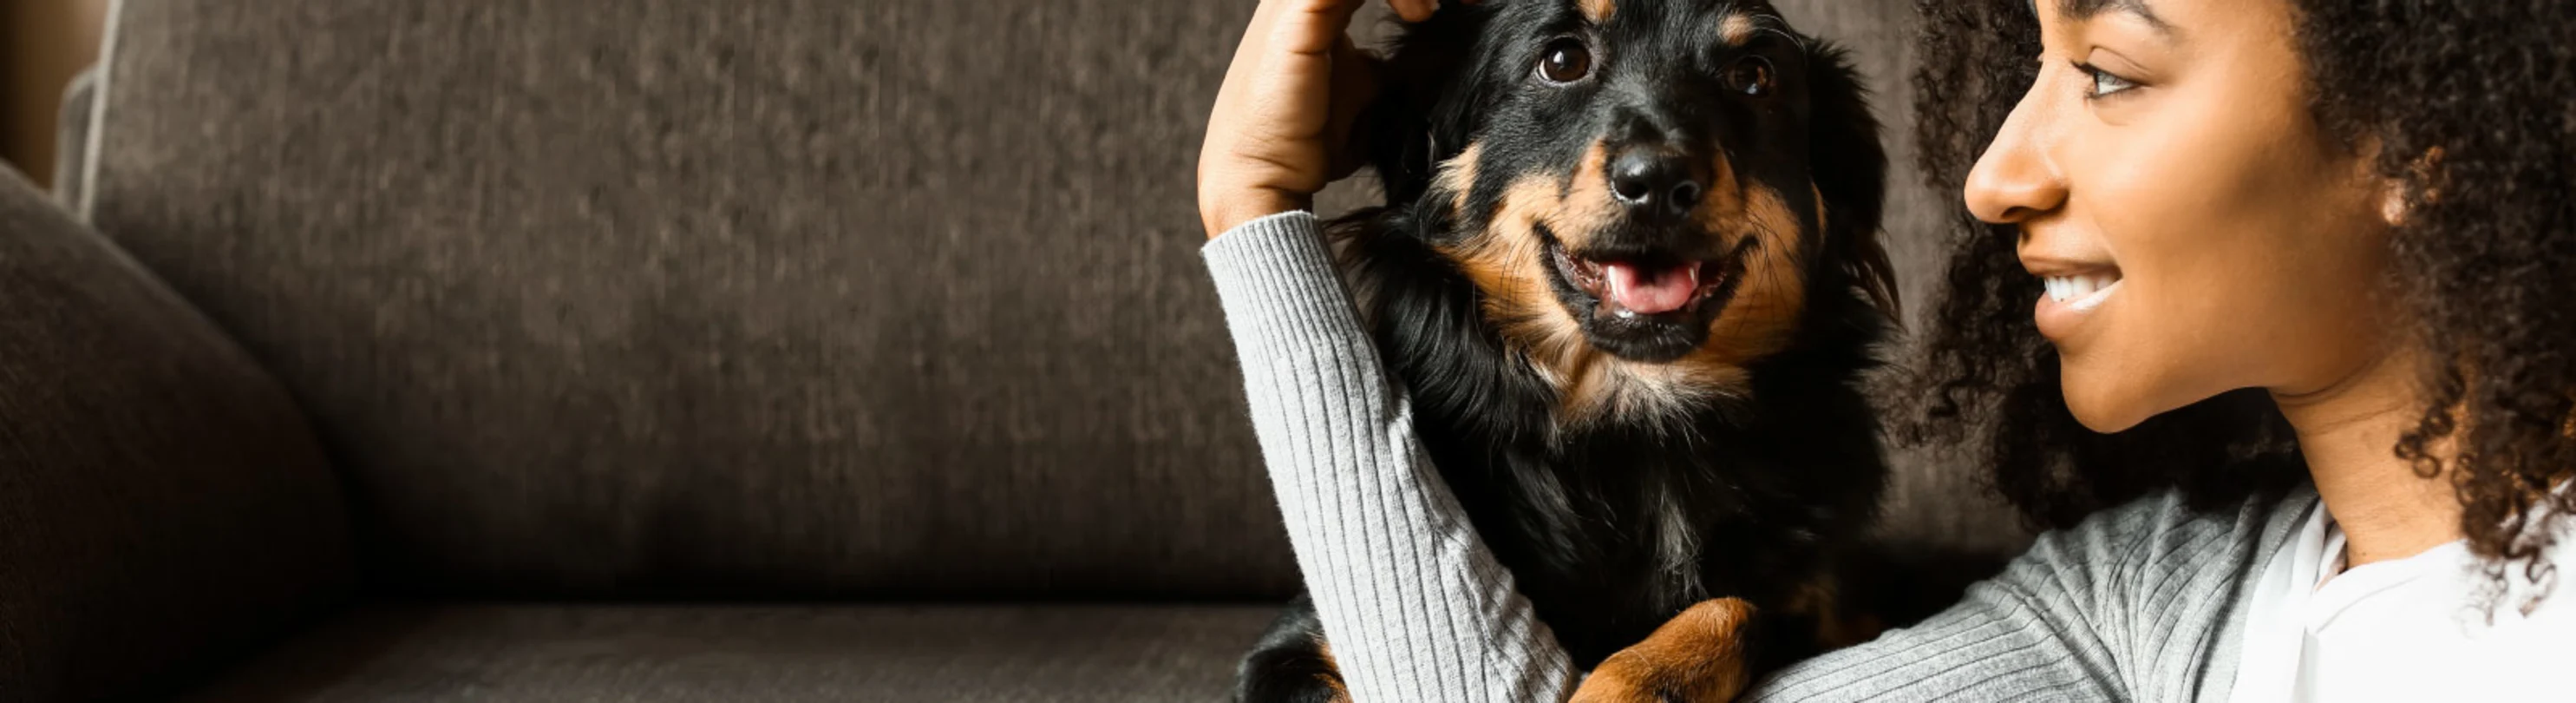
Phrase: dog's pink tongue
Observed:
(1652, 291)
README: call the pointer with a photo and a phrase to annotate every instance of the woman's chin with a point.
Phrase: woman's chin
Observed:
(2100, 404)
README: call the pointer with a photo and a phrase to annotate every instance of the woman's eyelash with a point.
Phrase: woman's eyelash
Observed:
(2105, 83)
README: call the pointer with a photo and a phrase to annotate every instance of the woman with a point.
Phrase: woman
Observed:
(2265, 305)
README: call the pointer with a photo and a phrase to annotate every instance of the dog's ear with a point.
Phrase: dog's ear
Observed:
(1850, 171)
(1429, 91)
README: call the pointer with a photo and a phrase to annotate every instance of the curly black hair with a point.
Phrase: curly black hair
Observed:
(2469, 106)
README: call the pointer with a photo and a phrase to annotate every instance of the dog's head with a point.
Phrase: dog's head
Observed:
(1649, 195)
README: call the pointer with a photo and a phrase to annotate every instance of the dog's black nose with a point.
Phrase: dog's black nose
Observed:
(1654, 184)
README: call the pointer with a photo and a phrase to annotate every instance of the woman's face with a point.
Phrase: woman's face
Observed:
(2198, 231)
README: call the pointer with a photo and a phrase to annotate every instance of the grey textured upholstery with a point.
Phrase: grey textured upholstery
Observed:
(683, 300)
(703, 298)
(534, 654)
(711, 298)
(71, 146)
(161, 500)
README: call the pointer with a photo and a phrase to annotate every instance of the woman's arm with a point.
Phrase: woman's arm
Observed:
(2141, 602)
(1415, 607)
(2138, 600)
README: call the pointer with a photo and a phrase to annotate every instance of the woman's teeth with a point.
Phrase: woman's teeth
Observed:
(2082, 292)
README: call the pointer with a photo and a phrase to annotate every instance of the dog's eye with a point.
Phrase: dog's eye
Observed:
(1565, 61)
(1750, 75)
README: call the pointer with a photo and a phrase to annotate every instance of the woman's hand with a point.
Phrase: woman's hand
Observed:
(1283, 121)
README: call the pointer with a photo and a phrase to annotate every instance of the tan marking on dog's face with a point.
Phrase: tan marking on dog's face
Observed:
(1599, 11)
(1457, 177)
(1756, 323)
(1592, 384)
(1773, 293)
(1509, 264)
(1588, 207)
(1738, 29)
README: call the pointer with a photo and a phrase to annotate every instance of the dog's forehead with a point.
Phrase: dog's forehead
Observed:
(1602, 12)
(1730, 22)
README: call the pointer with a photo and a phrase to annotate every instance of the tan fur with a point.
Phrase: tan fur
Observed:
(1509, 264)
(1457, 176)
(1599, 11)
(1737, 29)
(1586, 206)
(1773, 294)
(1836, 628)
(1333, 680)
(1698, 656)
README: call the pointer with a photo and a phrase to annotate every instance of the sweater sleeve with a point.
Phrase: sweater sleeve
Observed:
(2140, 602)
(1415, 606)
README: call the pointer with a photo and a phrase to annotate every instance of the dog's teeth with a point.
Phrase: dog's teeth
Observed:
(1627, 314)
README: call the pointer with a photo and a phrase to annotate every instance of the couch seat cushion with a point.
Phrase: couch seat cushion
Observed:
(510, 653)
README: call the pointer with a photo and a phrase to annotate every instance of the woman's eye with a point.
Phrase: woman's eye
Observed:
(1751, 75)
(1565, 61)
(2105, 83)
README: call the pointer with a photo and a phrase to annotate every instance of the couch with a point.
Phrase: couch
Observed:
(659, 350)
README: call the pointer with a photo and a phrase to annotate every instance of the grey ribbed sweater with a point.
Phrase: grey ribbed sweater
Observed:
(2142, 603)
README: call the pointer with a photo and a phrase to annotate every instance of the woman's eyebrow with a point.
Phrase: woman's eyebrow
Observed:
(2080, 10)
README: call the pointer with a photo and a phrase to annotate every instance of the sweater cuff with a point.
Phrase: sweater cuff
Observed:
(1280, 285)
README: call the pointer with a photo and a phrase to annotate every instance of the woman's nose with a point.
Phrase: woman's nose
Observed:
(2015, 180)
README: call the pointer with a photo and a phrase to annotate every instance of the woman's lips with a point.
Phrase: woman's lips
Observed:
(2071, 300)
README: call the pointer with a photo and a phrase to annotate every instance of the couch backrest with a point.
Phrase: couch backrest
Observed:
(700, 298)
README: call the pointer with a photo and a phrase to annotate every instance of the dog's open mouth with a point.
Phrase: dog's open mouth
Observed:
(1633, 287)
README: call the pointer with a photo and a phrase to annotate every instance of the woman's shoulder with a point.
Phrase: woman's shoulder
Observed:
(2169, 519)
(2162, 546)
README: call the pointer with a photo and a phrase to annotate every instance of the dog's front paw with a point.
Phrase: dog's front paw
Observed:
(1698, 657)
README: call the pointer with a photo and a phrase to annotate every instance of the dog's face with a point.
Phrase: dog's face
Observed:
(1633, 185)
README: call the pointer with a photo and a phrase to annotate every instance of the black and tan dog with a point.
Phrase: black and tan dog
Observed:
(1629, 272)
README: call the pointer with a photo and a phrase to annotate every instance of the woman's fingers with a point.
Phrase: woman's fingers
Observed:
(1273, 137)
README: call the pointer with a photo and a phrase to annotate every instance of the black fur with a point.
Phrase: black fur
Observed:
(1611, 528)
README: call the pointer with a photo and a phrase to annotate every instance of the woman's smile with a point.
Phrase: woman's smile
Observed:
(2077, 279)
(2076, 282)
(2070, 301)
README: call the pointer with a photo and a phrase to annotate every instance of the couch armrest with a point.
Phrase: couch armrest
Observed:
(71, 139)
(163, 505)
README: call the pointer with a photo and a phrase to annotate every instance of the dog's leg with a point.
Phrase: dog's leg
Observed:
(1292, 664)
(1698, 657)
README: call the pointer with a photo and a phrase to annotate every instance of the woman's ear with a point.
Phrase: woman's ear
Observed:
(1422, 83)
